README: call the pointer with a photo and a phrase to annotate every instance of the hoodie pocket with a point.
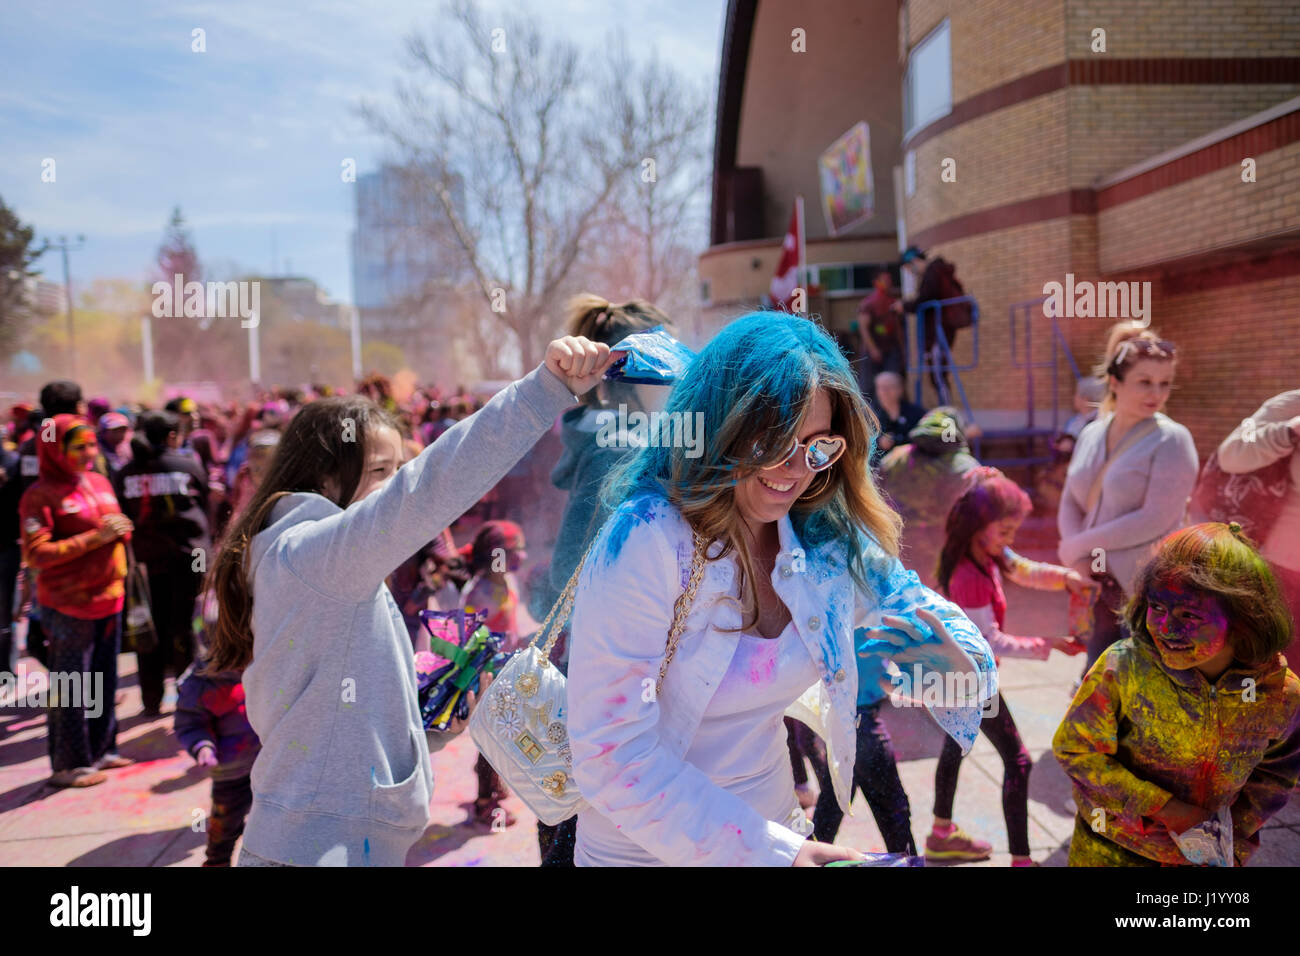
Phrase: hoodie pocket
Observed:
(405, 803)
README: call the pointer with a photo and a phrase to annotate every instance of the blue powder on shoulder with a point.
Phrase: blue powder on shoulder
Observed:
(635, 511)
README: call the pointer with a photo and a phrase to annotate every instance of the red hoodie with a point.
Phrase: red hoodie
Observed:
(61, 515)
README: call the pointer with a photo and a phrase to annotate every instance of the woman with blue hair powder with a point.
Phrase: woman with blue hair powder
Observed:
(769, 548)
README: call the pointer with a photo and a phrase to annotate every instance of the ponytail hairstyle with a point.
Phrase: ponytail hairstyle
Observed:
(989, 497)
(1127, 344)
(326, 439)
(595, 318)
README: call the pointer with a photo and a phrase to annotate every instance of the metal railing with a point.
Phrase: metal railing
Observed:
(930, 314)
(1059, 347)
(922, 365)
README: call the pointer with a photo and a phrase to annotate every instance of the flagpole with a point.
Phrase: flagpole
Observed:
(801, 270)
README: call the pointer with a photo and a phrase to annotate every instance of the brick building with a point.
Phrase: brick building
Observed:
(1108, 140)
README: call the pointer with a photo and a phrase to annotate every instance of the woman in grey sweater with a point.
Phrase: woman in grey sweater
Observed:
(1129, 479)
(343, 778)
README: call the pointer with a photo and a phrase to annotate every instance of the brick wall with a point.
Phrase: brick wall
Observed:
(1113, 127)
(1237, 347)
(1202, 214)
(1215, 28)
(1005, 156)
(993, 41)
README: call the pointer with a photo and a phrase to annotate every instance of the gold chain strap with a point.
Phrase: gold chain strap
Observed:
(564, 605)
(681, 608)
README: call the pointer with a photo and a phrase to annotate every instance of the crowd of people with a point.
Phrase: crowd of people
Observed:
(761, 588)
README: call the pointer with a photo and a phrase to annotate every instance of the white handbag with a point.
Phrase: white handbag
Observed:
(520, 723)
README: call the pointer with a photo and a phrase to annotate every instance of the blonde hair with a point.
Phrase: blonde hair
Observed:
(596, 318)
(1128, 343)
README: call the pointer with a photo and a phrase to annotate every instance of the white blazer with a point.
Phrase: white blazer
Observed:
(628, 744)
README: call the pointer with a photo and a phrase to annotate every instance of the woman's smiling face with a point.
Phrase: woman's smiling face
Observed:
(82, 450)
(766, 496)
(1188, 627)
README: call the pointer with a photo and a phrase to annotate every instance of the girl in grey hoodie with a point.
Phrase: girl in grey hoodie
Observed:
(343, 778)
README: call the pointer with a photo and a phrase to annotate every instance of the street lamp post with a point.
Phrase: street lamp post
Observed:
(64, 246)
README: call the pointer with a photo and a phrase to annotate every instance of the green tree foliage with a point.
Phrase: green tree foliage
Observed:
(17, 255)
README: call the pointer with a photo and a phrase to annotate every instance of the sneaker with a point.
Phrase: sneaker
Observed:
(957, 847)
(80, 777)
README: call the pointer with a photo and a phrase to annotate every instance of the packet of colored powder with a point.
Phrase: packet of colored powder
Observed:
(1079, 616)
(652, 357)
(1208, 843)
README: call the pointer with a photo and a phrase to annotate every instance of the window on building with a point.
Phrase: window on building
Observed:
(927, 84)
(842, 280)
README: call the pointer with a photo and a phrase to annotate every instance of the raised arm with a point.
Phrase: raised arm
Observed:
(41, 550)
(1263, 438)
(351, 552)
(1003, 644)
(623, 767)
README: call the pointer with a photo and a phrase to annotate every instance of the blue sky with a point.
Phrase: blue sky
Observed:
(247, 137)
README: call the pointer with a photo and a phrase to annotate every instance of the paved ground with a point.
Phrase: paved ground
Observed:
(143, 816)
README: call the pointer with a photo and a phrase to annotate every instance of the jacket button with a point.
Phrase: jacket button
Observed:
(786, 572)
(840, 676)
(814, 623)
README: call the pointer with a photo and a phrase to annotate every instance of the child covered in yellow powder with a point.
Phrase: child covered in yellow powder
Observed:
(1195, 712)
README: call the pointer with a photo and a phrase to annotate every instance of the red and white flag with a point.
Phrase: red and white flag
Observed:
(786, 278)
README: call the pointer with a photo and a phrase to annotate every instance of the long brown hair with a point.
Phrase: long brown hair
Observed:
(989, 497)
(325, 440)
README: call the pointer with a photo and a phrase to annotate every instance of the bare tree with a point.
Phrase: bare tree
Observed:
(658, 218)
(538, 145)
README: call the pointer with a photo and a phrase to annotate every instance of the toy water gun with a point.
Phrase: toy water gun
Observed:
(446, 676)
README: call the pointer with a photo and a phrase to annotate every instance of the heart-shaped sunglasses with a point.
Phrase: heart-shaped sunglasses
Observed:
(819, 453)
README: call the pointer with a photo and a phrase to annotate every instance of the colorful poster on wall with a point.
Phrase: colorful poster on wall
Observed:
(848, 190)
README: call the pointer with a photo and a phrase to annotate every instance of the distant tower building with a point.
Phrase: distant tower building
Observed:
(403, 261)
